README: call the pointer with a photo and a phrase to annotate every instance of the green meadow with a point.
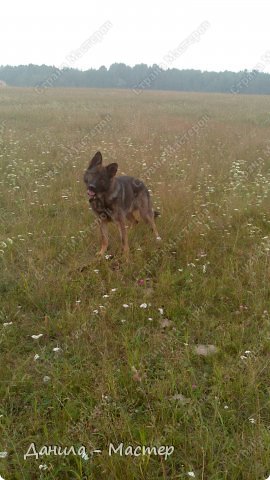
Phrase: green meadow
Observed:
(169, 348)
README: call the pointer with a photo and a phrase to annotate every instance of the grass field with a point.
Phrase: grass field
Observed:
(170, 348)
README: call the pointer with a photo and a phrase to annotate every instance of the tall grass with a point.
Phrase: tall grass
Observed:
(131, 374)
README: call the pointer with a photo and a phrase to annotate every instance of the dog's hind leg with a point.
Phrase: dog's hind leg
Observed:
(149, 218)
(148, 215)
(132, 219)
(103, 224)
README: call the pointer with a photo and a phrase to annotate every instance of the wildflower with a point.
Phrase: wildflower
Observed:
(125, 305)
(36, 337)
(143, 305)
(36, 357)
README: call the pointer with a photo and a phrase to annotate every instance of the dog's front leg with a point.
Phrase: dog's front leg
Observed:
(103, 224)
(123, 236)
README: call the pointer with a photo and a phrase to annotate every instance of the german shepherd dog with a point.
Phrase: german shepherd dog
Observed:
(117, 199)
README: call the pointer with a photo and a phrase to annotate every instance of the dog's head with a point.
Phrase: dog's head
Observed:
(98, 178)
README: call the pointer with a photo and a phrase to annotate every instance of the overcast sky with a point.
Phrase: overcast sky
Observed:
(142, 32)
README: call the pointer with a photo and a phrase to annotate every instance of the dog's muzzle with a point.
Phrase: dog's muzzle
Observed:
(91, 191)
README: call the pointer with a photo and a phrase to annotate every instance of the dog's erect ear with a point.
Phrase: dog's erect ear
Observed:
(112, 169)
(96, 160)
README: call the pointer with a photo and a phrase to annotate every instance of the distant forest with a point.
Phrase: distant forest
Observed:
(139, 78)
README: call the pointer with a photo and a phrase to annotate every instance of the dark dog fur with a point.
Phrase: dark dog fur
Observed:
(117, 199)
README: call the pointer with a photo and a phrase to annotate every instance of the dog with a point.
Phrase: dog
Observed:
(117, 199)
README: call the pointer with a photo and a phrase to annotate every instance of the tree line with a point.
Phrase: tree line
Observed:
(139, 78)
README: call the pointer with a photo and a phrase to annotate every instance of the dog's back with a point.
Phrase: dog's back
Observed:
(126, 191)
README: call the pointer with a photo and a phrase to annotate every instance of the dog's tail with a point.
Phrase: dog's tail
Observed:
(156, 214)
